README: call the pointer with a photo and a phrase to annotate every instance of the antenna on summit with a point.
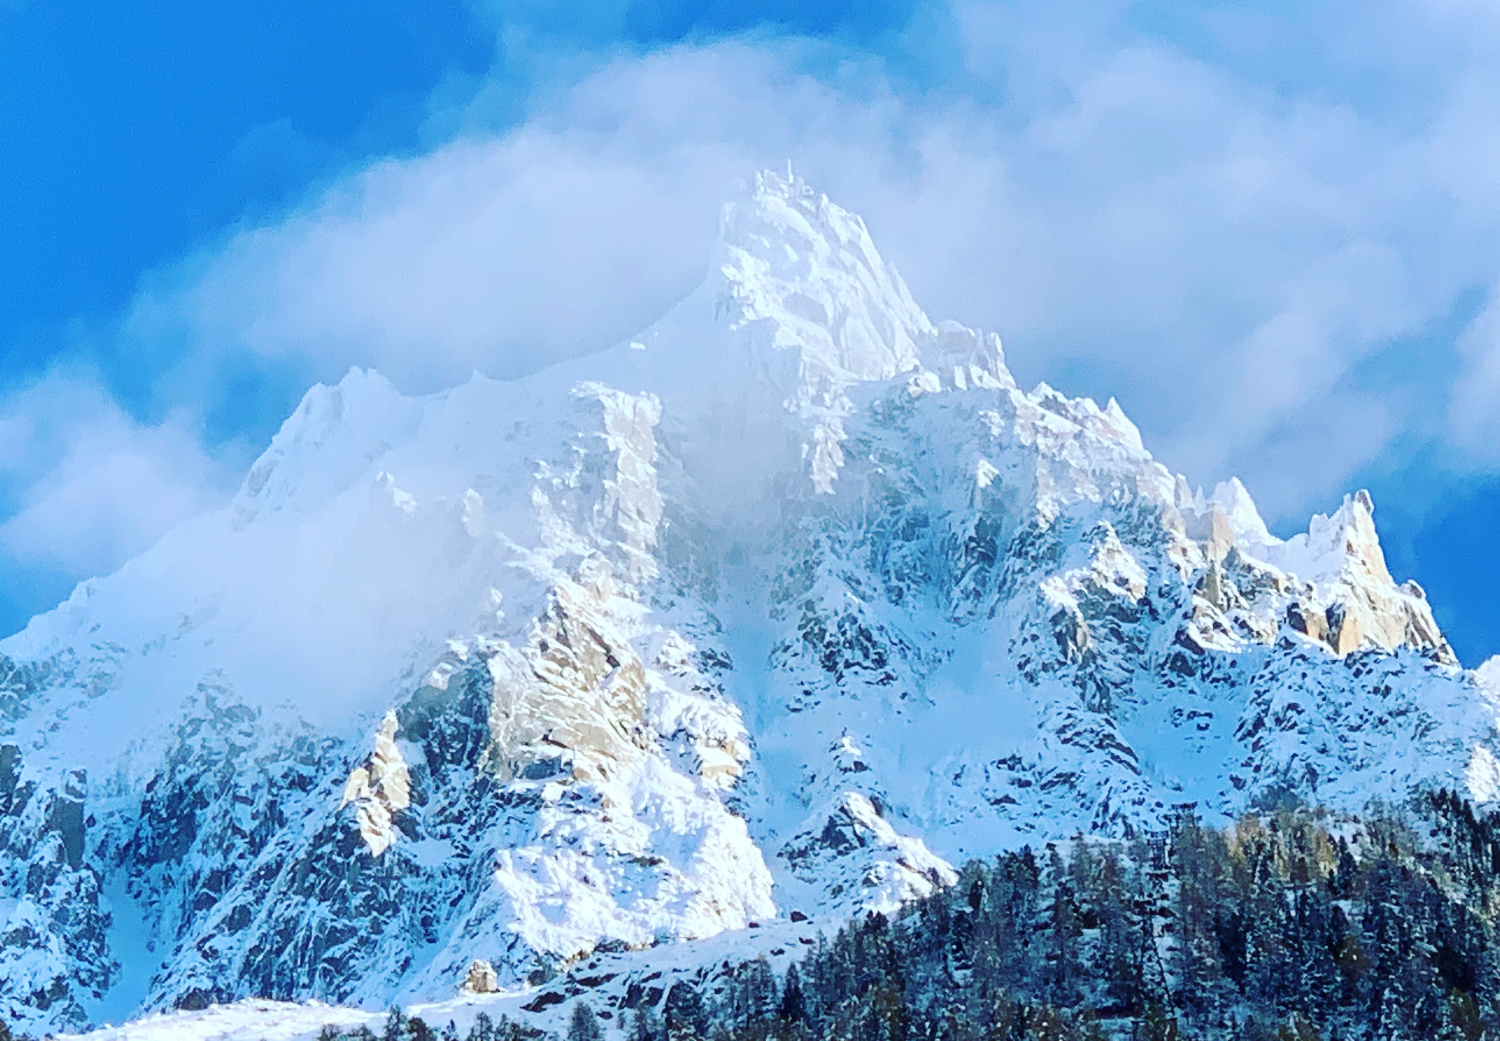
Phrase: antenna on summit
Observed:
(790, 179)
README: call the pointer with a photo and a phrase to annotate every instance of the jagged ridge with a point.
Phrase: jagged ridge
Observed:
(775, 611)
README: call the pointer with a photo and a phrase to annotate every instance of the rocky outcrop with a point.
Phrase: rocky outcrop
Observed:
(51, 891)
(379, 788)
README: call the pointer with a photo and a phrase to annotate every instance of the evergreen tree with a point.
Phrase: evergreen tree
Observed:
(1116, 957)
(584, 1026)
(645, 1025)
(1064, 972)
(1201, 987)
(395, 1026)
(684, 1014)
(793, 1008)
(751, 998)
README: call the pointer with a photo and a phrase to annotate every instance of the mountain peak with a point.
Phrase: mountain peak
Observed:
(329, 440)
(773, 613)
(790, 259)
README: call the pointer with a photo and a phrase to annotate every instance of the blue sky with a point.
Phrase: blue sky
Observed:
(1270, 231)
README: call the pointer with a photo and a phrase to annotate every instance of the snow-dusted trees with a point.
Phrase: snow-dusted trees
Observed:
(1287, 926)
(584, 1025)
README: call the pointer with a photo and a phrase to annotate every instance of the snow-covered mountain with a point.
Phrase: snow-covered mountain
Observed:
(777, 611)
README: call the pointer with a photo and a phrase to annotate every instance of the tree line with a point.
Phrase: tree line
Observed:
(1288, 925)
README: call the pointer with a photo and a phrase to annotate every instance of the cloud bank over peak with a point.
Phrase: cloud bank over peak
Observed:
(1243, 250)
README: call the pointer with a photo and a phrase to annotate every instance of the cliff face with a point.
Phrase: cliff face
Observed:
(787, 604)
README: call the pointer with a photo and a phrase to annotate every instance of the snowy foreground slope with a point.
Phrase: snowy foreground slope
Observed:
(667, 656)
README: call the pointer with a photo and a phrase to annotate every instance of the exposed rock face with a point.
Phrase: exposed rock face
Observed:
(481, 978)
(50, 892)
(792, 601)
(379, 788)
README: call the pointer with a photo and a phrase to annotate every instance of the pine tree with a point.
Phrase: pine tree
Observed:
(1006, 959)
(1383, 926)
(684, 1013)
(1155, 1024)
(793, 1008)
(752, 995)
(584, 1026)
(395, 1026)
(1116, 957)
(1200, 984)
(1064, 929)
(1264, 924)
(645, 1025)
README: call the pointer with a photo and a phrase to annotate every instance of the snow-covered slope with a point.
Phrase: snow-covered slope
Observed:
(775, 612)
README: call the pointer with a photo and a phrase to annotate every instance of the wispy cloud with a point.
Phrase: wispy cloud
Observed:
(88, 486)
(1134, 220)
(1476, 394)
(1161, 212)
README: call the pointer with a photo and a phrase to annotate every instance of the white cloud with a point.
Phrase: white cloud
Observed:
(502, 253)
(1221, 250)
(1219, 256)
(1475, 411)
(90, 486)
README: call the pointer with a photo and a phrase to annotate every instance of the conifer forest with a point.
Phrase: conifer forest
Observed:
(1288, 925)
